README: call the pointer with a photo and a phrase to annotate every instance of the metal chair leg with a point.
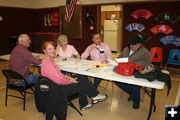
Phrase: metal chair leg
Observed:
(73, 106)
(24, 101)
(166, 66)
(161, 64)
(112, 86)
(6, 96)
(106, 84)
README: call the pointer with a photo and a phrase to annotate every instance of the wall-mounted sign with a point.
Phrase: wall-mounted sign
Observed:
(55, 15)
(161, 28)
(135, 26)
(168, 17)
(141, 13)
(51, 18)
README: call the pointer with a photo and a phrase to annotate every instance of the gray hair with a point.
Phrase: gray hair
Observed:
(62, 38)
(23, 37)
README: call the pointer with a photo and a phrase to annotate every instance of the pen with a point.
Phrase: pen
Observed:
(87, 69)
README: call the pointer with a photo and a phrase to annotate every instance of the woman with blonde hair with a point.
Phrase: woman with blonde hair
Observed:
(64, 49)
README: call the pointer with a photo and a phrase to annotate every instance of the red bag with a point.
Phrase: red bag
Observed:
(128, 68)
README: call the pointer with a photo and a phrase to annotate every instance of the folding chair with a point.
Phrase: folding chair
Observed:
(174, 57)
(157, 55)
(46, 88)
(9, 74)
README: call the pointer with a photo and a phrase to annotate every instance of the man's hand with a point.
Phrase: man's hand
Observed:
(104, 62)
(91, 47)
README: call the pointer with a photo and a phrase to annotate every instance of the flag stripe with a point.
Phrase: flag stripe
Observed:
(70, 7)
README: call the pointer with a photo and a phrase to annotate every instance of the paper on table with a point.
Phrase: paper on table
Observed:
(112, 62)
(109, 68)
(125, 59)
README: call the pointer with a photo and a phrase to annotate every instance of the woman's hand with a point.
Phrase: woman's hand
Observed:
(73, 80)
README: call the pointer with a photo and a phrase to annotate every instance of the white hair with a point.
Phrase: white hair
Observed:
(62, 38)
(22, 37)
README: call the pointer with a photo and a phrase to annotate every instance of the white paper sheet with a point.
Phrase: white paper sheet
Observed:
(122, 59)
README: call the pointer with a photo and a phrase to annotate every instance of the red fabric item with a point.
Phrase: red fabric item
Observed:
(55, 15)
(128, 68)
(161, 28)
(141, 13)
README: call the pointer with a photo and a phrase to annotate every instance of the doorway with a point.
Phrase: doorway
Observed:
(111, 26)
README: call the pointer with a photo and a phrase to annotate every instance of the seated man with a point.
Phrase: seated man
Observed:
(136, 53)
(20, 60)
(98, 51)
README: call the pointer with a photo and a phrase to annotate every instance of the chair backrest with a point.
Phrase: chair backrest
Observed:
(9, 74)
(156, 54)
(42, 85)
(49, 95)
(47, 82)
(12, 74)
(174, 56)
(42, 90)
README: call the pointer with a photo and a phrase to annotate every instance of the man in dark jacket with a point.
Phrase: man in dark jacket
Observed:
(136, 53)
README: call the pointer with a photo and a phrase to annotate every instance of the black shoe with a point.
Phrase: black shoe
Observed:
(136, 105)
(130, 98)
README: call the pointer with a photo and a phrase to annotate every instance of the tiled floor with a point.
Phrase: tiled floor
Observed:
(116, 107)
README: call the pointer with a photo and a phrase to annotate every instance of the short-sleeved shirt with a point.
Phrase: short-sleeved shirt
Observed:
(70, 51)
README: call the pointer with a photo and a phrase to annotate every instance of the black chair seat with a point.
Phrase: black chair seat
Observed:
(21, 88)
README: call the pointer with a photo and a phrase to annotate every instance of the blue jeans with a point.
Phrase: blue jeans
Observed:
(132, 90)
(97, 81)
(31, 79)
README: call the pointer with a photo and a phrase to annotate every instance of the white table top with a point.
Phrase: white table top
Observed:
(85, 67)
(7, 56)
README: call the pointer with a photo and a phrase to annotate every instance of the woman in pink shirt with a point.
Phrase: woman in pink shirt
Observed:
(64, 49)
(74, 84)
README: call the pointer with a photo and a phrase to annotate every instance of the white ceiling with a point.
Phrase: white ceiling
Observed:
(56, 3)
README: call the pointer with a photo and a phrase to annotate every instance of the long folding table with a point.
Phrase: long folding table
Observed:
(86, 67)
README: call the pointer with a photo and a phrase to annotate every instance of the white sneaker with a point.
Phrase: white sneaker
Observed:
(87, 106)
(99, 98)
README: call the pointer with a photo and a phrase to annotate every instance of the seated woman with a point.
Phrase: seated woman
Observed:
(64, 49)
(75, 84)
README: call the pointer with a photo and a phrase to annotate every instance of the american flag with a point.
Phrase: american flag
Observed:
(70, 7)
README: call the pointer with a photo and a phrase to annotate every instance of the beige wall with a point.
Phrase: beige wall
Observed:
(111, 8)
(56, 3)
(17, 3)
